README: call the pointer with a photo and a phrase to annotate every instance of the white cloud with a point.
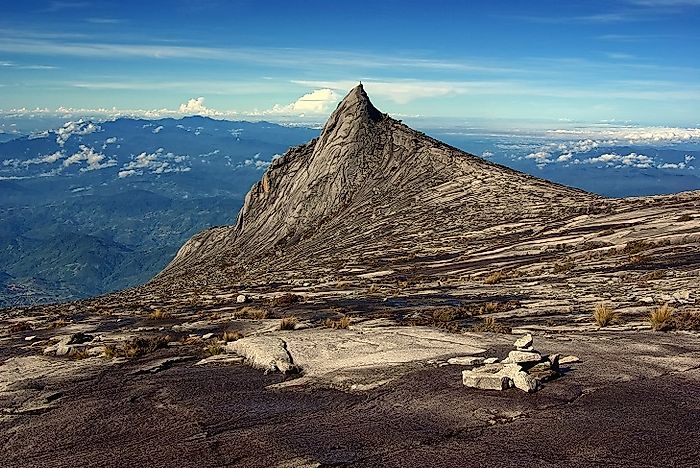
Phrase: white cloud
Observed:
(319, 101)
(194, 106)
(69, 129)
(159, 128)
(48, 159)
(158, 162)
(93, 159)
(616, 160)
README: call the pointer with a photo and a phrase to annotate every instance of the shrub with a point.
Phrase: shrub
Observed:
(288, 323)
(214, 348)
(159, 314)
(662, 318)
(687, 321)
(343, 322)
(79, 353)
(20, 327)
(446, 314)
(653, 275)
(491, 325)
(495, 277)
(563, 267)
(137, 347)
(604, 315)
(684, 217)
(285, 300)
(255, 313)
(232, 335)
(59, 323)
(637, 246)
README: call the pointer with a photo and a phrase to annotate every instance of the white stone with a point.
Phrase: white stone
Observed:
(525, 382)
(241, 298)
(485, 380)
(569, 360)
(490, 360)
(519, 357)
(466, 360)
(206, 336)
(524, 341)
(29, 338)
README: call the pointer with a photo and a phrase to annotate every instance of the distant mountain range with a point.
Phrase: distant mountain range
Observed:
(94, 207)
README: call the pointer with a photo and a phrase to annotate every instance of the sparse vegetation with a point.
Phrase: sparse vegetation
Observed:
(285, 300)
(342, 323)
(59, 323)
(159, 314)
(637, 259)
(255, 313)
(137, 347)
(564, 266)
(491, 325)
(495, 277)
(637, 246)
(684, 217)
(231, 335)
(604, 315)
(488, 308)
(662, 318)
(653, 275)
(20, 327)
(213, 348)
(447, 314)
(288, 323)
(687, 320)
(79, 353)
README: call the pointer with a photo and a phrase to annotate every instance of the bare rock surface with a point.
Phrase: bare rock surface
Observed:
(391, 254)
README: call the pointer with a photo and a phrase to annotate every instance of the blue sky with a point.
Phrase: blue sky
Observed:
(583, 61)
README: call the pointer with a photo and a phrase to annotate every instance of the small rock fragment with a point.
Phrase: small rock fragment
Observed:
(206, 336)
(569, 360)
(490, 360)
(466, 360)
(29, 338)
(241, 298)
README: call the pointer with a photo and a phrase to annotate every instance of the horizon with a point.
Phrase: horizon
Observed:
(543, 65)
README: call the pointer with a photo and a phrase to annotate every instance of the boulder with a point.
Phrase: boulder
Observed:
(485, 380)
(543, 372)
(264, 352)
(524, 341)
(466, 360)
(522, 357)
(525, 382)
(553, 360)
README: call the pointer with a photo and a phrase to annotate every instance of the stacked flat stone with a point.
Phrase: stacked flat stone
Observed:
(524, 368)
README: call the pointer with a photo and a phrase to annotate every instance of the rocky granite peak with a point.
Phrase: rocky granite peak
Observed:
(371, 194)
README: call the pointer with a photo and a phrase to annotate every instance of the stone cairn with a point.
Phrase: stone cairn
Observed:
(524, 368)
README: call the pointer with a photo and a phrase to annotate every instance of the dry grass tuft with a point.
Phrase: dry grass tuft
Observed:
(343, 323)
(60, 323)
(662, 318)
(495, 277)
(684, 217)
(491, 325)
(159, 314)
(288, 323)
(604, 315)
(653, 275)
(231, 335)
